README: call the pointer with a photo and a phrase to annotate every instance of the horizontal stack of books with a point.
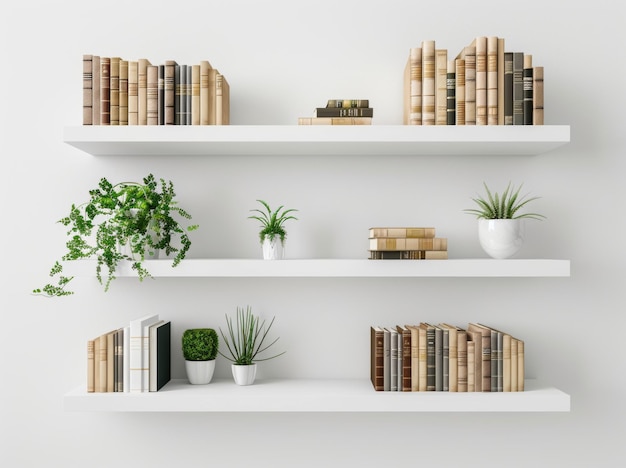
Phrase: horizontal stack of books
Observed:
(482, 85)
(135, 358)
(406, 243)
(136, 92)
(341, 112)
(447, 358)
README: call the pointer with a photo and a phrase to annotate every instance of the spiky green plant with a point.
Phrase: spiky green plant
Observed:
(246, 338)
(200, 344)
(505, 206)
(272, 221)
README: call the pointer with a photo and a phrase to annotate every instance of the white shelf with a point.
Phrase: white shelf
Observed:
(327, 268)
(294, 140)
(314, 396)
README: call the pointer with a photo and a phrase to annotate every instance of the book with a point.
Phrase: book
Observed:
(205, 66)
(415, 243)
(422, 350)
(521, 372)
(501, 51)
(161, 94)
(471, 363)
(188, 95)
(180, 102)
(508, 88)
(87, 90)
(468, 54)
(502, 359)
(152, 95)
(518, 88)
(377, 357)
(138, 346)
(100, 356)
(123, 93)
(343, 112)
(222, 100)
(481, 80)
(451, 93)
(405, 232)
(538, 96)
(160, 355)
(414, 357)
(115, 91)
(481, 335)
(439, 371)
(195, 95)
(431, 374)
(462, 365)
(105, 90)
(126, 360)
(459, 94)
(404, 346)
(428, 82)
(170, 92)
(386, 360)
(110, 361)
(441, 86)
(90, 366)
(413, 87)
(393, 359)
(408, 254)
(446, 358)
(345, 103)
(334, 121)
(453, 352)
(119, 359)
(95, 89)
(133, 92)
(492, 80)
(142, 91)
(527, 80)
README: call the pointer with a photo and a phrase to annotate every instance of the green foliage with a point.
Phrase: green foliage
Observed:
(505, 206)
(272, 221)
(139, 215)
(246, 338)
(200, 344)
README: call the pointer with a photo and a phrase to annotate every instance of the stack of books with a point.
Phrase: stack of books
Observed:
(136, 92)
(447, 358)
(482, 85)
(406, 243)
(341, 112)
(135, 358)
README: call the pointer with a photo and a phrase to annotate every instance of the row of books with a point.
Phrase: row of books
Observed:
(447, 358)
(341, 112)
(136, 92)
(482, 85)
(134, 358)
(406, 243)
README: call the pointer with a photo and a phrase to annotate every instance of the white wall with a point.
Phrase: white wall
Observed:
(282, 59)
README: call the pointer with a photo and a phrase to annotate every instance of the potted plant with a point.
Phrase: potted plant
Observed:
(200, 347)
(246, 339)
(500, 226)
(126, 221)
(272, 234)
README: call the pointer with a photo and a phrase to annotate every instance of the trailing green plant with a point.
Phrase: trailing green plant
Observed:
(505, 206)
(246, 339)
(132, 214)
(272, 221)
(200, 344)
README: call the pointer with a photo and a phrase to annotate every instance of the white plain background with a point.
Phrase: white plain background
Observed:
(282, 59)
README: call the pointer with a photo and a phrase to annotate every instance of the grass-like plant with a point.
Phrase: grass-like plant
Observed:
(247, 338)
(137, 215)
(505, 206)
(272, 221)
(200, 344)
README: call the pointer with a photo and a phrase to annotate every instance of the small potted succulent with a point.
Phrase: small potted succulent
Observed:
(272, 234)
(130, 221)
(500, 226)
(247, 338)
(200, 347)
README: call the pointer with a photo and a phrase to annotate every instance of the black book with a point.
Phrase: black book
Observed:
(160, 356)
(344, 112)
(451, 94)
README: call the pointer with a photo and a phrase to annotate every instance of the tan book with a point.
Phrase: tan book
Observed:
(462, 360)
(460, 91)
(105, 90)
(205, 94)
(115, 90)
(334, 120)
(453, 355)
(87, 89)
(435, 254)
(152, 95)
(110, 362)
(90, 366)
(413, 87)
(514, 364)
(123, 93)
(538, 96)
(482, 337)
(521, 372)
(406, 232)
(505, 358)
(404, 346)
(101, 364)
(428, 82)
(492, 80)
(195, 95)
(95, 91)
(501, 81)
(441, 89)
(222, 100)
(408, 254)
(414, 329)
(133, 90)
(471, 364)
(142, 91)
(481, 79)
(400, 243)
(468, 54)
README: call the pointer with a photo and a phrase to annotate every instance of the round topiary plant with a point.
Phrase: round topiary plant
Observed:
(200, 344)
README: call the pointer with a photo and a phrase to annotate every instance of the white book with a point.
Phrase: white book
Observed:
(393, 359)
(151, 357)
(139, 341)
(386, 360)
(126, 359)
(145, 359)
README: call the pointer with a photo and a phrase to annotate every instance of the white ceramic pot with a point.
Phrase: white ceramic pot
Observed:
(501, 238)
(200, 372)
(244, 375)
(273, 249)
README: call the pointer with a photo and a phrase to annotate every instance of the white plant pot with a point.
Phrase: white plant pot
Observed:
(200, 372)
(501, 238)
(244, 375)
(273, 249)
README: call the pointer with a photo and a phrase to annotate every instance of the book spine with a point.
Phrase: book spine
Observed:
(451, 93)
(514, 363)
(403, 232)
(521, 372)
(528, 89)
(123, 94)
(481, 80)
(90, 366)
(431, 372)
(414, 357)
(386, 360)
(471, 365)
(119, 360)
(188, 95)
(195, 95)
(347, 103)
(105, 90)
(500, 81)
(161, 95)
(95, 90)
(405, 335)
(142, 91)
(460, 91)
(538, 96)
(110, 337)
(492, 80)
(518, 88)
(115, 91)
(441, 89)
(334, 111)
(423, 360)
(334, 121)
(398, 243)
(508, 88)
(393, 360)
(415, 89)
(87, 90)
(461, 340)
(133, 90)
(439, 371)
(152, 95)
(470, 86)
(170, 92)
(428, 82)
(101, 364)
(446, 359)
(126, 360)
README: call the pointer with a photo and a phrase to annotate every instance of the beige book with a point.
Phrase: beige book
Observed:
(142, 91)
(492, 80)
(514, 364)
(123, 93)
(195, 95)
(399, 243)
(538, 118)
(453, 355)
(460, 91)
(406, 232)
(481, 80)
(205, 95)
(152, 95)
(413, 87)
(133, 89)
(428, 82)
(471, 364)
(500, 81)
(441, 89)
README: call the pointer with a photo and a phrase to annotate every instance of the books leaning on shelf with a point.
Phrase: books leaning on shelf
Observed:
(445, 358)
(341, 112)
(117, 91)
(406, 243)
(135, 358)
(483, 84)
